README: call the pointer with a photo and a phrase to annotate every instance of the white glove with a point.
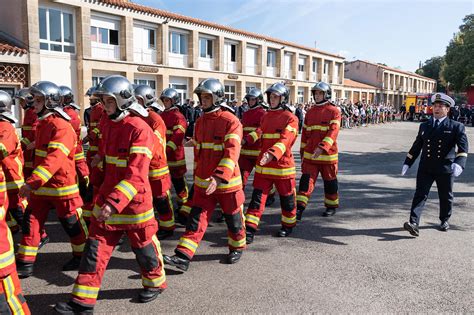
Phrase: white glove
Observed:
(457, 169)
(405, 169)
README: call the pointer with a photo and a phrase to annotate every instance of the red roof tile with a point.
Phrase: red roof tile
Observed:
(395, 70)
(6, 48)
(357, 84)
(174, 16)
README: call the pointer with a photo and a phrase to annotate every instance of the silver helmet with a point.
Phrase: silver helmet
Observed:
(323, 87)
(147, 95)
(67, 97)
(24, 94)
(254, 93)
(50, 92)
(211, 86)
(122, 91)
(172, 94)
(279, 89)
(5, 107)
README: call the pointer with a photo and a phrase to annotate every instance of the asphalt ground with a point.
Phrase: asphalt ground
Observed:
(360, 260)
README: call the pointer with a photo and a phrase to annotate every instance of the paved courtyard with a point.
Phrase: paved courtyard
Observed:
(358, 261)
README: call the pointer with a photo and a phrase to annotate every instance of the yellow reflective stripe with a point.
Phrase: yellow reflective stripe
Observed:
(280, 146)
(302, 198)
(409, 156)
(96, 131)
(252, 219)
(78, 248)
(254, 135)
(86, 213)
(93, 148)
(25, 141)
(169, 223)
(126, 218)
(61, 147)
(291, 129)
(303, 145)
(335, 121)
(153, 283)
(57, 192)
(93, 124)
(331, 202)
(234, 243)
(250, 152)
(42, 173)
(115, 161)
(328, 140)
(40, 153)
(29, 164)
(232, 136)
(210, 146)
(172, 145)
(461, 154)
(176, 163)
(233, 182)
(158, 172)
(317, 127)
(12, 298)
(169, 132)
(185, 209)
(226, 162)
(271, 136)
(7, 258)
(27, 128)
(288, 220)
(127, 189)
(15, 184)
(141, 150)
(79, 156)
(275, 171)
(85, 291)
(179, 127)
(249, 128)
(27, 250)
(4, 150)
(322, 157)
(3, 187)
(189, 244)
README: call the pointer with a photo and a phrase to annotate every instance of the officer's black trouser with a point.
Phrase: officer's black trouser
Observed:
(424, 181)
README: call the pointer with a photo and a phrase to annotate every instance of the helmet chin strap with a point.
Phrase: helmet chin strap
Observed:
(119, 115)
(321, 102)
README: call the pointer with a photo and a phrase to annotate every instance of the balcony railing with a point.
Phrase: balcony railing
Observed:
(105, 51)
(144, 55)
(178, 60)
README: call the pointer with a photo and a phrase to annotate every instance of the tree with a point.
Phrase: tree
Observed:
(459, 62)
(431, 68)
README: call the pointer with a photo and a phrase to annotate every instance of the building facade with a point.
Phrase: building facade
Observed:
(392, 85)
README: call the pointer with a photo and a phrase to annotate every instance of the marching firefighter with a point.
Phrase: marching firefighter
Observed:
(11, 158)
(28, 129)
(159, 172)
(319, 150)
(52, 184)
(175, 132)
(276, 164)
(124, 203)
(11, 296)
(217, 178)
(72, 110)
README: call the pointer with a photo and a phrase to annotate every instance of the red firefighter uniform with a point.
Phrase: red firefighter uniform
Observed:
(217, 136)
(321, 127)
(279, 131)
(127, 189)
(175, 131)
(53, 181)
(251, 120)
(11, 296)
(93, 132)
(160, 175)
(81, 166)
(11, 158)
(28, 129)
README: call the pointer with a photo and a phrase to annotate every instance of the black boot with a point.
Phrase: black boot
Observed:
(149, 294)
(162, 234)
(43, 241)
(329, 212)
(72, 308)
(178, 262)
(270, 200)
(234, 256)
(24, 269)
(284, 232)
(249, 235)
(182, 219)
(72, 264)
(299, 213)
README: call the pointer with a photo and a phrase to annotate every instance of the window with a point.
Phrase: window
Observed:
(231, 52)
(205, 48)
(56, 30)
(150, 83)
(229, 92)
(151, 39)
(271, 58)
(248, 87)
(326, 68)
(178, 43)
(301, 63)
(104, 36)
(300, 95)
(96, 80)
(315, 66)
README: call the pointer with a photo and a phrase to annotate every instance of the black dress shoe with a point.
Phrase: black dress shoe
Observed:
(162, 234)
(270, 200)
(284, 232)
(412, 228)
(72, 308)
(24, 269)
(149, 294)
(72, 264)
(234, 256)
(249, 235)
(178, 262)
(299, 214)
(329, 212)
(444, 226)
(43, 241)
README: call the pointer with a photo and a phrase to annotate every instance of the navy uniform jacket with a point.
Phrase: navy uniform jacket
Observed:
(438, 146)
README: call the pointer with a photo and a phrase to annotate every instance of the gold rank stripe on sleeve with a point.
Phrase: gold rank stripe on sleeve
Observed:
(409, 156)
(464, 154)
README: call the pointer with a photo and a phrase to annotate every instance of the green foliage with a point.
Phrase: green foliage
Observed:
(431, 69)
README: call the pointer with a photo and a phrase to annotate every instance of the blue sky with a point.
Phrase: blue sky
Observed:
(397, 33)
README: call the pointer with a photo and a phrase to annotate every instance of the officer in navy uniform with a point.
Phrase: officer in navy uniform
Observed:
(437, 139)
